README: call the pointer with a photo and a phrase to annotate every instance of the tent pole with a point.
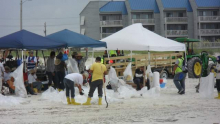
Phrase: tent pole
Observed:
(69, 51)
(22, 54)
(44, 58)
(131, 55)
(148, 57)
(145, 63)
(92, 55)
(24, 61)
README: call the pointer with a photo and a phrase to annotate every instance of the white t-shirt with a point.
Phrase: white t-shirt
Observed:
(218, 69)
(32, 78)
(75, 77)
(7, 76)
(2, 70)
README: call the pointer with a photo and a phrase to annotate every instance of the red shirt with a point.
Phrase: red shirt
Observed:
(25, 76)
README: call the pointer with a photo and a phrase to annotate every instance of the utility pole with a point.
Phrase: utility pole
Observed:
(45, 29)
(21, 15)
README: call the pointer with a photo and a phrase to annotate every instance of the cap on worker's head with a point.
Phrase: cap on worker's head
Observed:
(31, 52)
(86, 74)
(74, 53)
(79, 55)
(98, 59)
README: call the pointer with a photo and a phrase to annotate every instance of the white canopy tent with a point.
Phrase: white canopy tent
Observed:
(137, 38)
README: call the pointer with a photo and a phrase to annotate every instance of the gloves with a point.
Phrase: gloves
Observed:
(81, 93)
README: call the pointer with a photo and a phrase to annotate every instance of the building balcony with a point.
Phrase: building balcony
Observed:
(177, 33)
(144, 21)
(209, 19)
(209, 32)
(104, 35)
(111, 23)
(176, 20)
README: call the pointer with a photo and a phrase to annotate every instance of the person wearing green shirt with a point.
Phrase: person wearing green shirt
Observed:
(179, 77)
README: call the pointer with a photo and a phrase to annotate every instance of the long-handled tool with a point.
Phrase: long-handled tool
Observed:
(105, 95)
(104, 90)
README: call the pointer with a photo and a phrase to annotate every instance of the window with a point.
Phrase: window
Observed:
(104, 18)
(214, 13)
(104, 30)
(169, 14)
(144, 16)
(82, 20)
(180, 14)
(135, 16)
(202, 13)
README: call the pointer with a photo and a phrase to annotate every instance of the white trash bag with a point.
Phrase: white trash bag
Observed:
(113, 79)
(72, 66)
(112, 74)
(206, 88)
(20, 89)
(149, 75)
(156, 80)
(128, 73)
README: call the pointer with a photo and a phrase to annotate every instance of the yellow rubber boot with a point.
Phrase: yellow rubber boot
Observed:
(74, 103)
(88, 102)
(218, 96)
(60, 90)
(68, 101)
(100, 101)
(35, 90)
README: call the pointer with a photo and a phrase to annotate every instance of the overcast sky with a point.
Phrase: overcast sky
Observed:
(58, 14)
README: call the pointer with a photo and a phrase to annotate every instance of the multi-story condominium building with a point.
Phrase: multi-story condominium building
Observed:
(198, 19)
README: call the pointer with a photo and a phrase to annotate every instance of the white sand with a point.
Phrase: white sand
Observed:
(169, 108)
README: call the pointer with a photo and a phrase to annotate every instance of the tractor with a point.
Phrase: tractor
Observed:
(198, 64)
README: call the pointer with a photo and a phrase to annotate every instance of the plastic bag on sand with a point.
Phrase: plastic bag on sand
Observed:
(20, 89)
(149, 75)
(156, 81)
(112, 74)
(10, 100)
(126, 92)
(54, 95)
(206, 88)
(72, 66)
(153, 92)
(128, 73)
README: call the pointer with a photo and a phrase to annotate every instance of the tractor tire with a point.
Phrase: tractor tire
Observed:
(164, 74)
(211, 68)
(194, 67)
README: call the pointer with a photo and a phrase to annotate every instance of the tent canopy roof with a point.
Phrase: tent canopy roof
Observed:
(73, 39)
(137, 38)
(27, 40)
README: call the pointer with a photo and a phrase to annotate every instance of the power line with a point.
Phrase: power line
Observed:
(37, 25)
(37, 18)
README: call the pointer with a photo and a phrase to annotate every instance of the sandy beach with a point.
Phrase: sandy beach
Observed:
(168, 108)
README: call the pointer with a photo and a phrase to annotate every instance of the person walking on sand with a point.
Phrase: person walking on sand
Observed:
(69, 81)
(179, 77)
(98, 71)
